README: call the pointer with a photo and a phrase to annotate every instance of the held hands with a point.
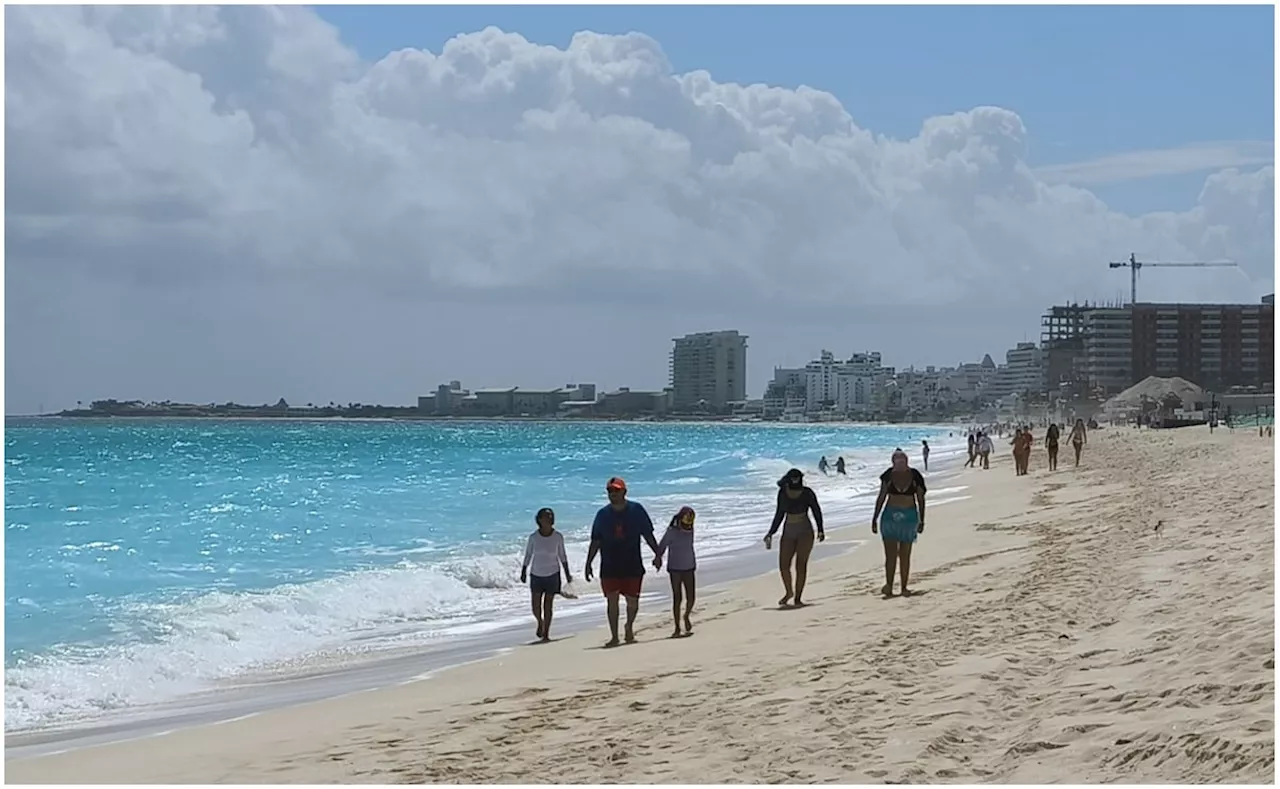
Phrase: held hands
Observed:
(657, 562)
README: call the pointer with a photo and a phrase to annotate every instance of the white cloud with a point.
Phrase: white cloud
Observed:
(1136, 165)
(200, 146)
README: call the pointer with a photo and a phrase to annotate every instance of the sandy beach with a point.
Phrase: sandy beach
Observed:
(1113, 623)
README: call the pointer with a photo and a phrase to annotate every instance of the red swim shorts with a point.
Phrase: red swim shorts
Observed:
(627, 587)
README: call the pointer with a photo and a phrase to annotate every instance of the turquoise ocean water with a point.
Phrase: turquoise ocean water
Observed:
(146, 560)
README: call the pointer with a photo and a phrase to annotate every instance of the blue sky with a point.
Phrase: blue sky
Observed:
(1087, 81)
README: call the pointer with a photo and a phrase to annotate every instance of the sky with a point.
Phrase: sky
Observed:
(354, 204)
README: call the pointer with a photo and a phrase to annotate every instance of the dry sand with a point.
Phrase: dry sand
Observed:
(1063, 637)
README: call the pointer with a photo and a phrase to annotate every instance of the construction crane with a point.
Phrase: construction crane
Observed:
(1134, 265)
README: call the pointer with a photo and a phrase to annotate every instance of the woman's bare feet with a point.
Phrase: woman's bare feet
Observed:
(541, 632)
(907, 592)
(613, 642)
(887, 590)
(688, 626)
(785, 601)
(629, 636)
(676, 633)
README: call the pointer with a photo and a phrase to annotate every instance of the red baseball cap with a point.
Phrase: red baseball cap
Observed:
(616, 483)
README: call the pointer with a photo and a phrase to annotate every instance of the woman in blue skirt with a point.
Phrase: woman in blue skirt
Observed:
(899, 518)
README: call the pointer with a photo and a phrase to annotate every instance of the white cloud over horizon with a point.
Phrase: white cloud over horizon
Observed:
(200, 162)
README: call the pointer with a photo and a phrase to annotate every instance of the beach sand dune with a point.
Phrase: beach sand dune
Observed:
(1113, 623)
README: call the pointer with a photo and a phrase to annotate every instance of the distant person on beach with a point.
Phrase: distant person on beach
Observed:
(840, 465)
(823, 465)
(973, 451)
(1019, 450)
(924, 453)
(1079, 437)
(901, 503)
(615, 535)
(985, 448)
(677, 545)
(1051, 446)
(795, 502)
(543, 557)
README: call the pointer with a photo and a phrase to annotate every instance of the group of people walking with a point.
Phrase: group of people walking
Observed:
(981, 446)
(622, 526)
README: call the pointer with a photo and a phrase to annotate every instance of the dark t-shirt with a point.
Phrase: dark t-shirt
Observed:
(619, 533)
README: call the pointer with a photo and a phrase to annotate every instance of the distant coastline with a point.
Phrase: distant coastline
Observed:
(358, 412)
(666, 419)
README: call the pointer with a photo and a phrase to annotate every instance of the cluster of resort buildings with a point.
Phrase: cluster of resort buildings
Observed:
(1086, 353)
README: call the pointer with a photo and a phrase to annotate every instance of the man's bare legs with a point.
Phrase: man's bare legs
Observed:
(890, 566)
(904, 566)
(633, 609)
(611, 610)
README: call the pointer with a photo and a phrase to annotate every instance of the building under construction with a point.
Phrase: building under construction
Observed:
(1062, 341)
(1100, 349)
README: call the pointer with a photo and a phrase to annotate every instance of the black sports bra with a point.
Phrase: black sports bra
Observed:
(917, 483)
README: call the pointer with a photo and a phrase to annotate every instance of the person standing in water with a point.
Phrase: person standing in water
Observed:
(924, 453)
(823, 465)
(677, 544)
(901, 502)
(616, 533)
(1079, 437)
(795, 502)
(840, 465)
(543, 557)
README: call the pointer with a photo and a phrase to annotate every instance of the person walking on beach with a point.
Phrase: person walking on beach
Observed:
(985, 448)
(616, 533)
(901, 502)
(1019, 451)
(924, 453)
(543, 557)
(677, 545)
(1051, 445)
(795, 502)
(1079, 437)
(973, 451)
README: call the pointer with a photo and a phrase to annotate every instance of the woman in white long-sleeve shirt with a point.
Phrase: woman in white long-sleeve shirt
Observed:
(543, 557)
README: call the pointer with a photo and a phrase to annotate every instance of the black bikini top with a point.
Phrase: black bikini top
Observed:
(917, 483)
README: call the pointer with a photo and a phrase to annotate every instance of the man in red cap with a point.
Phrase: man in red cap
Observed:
(615, 535)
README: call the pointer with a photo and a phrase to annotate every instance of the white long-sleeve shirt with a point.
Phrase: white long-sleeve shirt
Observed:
(544, 553)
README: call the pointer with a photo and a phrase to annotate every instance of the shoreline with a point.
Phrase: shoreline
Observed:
(1082, 623)
(336, 673)
(485, 624)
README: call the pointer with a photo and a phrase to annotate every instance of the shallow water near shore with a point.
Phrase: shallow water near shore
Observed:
(149, 561)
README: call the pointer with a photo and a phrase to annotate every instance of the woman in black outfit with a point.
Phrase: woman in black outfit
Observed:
(795, 502)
